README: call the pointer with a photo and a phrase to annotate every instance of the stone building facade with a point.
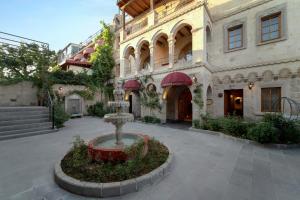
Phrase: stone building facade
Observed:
(244, 55)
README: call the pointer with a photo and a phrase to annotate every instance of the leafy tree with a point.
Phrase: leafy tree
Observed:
(26, 61)
(103, 62)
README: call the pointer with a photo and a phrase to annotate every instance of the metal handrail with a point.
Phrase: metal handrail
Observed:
(51, 109)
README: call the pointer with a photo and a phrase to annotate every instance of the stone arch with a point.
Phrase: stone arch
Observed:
(285, 73)
(268, 75)
(238, 78)
(180, 25)
(126, 49)
(252, 77)
(140, 43)
(157, 35)
(226, 79)
(217, 80)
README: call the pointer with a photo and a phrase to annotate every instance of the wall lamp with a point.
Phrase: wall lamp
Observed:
(250, 85)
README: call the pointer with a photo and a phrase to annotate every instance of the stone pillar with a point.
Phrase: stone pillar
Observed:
(171, 51)
(122, 67)
(137, 54)
(122, 32)
(152, 57)
(198, 42)
(151, 15)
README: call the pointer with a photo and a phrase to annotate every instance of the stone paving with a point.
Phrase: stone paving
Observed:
(206, 167)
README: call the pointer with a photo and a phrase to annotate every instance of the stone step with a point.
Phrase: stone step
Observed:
(23, 116)
(23, 109)
(24, 126)
(23, 121)
(7, 137)
(28, 130)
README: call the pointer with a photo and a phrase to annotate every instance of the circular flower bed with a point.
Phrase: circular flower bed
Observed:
(79, 165)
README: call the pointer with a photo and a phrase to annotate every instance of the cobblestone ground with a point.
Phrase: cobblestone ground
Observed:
(206, 167)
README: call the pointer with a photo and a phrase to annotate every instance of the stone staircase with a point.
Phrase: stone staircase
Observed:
(18, 122)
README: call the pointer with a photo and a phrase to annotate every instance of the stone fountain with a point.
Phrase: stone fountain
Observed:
(112, 147)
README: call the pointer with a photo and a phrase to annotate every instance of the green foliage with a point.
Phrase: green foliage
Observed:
(69, 78)
(97, 110)
(234, 126)
(151, 119)
(26, 61)
(78, 164)
(78, 153)
(198, 98)
(264, 132)
(150, 99)
(86, 94)
(288, 130)
(102, 60)
(196, 124)
(60, 117)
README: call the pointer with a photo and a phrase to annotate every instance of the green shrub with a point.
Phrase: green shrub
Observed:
(60, 116)
(97, 110)
(196, 124)
(264, 132)
(234, 126)
(215, 124)
(288, 129)
(151, 119)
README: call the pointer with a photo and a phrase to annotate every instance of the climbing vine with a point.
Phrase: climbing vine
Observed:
(198, 98)
(148, 98)
(103, 62)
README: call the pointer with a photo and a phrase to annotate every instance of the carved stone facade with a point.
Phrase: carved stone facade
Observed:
(193, 39)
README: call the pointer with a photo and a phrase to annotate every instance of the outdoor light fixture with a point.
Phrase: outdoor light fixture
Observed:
(195, 80)
(165, 94)
(251, 85)
(60, 88)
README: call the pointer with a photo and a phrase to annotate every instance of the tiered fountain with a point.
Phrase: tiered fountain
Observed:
(112, 147)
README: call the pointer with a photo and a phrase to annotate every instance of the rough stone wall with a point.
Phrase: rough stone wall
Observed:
(68, 89)
(20, 94)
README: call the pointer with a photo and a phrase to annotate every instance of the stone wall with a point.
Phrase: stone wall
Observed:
(20, 94)
(67, 90)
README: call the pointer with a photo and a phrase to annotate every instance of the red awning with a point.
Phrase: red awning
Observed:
(176, 79)
(132, 85)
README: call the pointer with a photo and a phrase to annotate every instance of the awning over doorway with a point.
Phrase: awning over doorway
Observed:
(132, 85)
(176, 79)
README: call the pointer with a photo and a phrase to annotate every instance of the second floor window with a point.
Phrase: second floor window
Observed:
(235, 37)
(270, 27)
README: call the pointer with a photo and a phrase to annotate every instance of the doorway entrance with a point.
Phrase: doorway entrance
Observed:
(179, 104)
(234, 102)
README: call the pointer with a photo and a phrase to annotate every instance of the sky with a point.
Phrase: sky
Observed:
(57, 22)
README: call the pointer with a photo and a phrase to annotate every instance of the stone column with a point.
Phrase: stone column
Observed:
(122, 67)
(122, 32)
(171, 51)
(137, 54)
(152, 57)
(198, 45)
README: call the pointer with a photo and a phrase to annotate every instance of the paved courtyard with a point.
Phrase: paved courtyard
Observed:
(206, 167)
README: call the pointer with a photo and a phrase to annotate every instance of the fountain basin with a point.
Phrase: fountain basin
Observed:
(105, 149)
(116, 118)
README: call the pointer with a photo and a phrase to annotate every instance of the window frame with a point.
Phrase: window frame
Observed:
(283, 26)
(234, 28)
(241, 22)
(269, 99)
(269, 17)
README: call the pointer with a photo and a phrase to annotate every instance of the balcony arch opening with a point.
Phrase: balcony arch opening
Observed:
(183, 45)
(144, 51)
(161, 53)
(129, 59)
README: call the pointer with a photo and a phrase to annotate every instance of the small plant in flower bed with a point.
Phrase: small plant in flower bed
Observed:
(97, 110)
(151, 119)
(78, 164)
